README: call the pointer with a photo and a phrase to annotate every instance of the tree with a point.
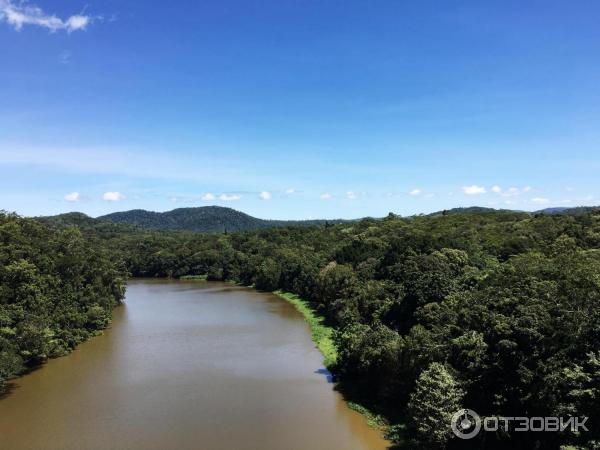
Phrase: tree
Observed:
(433, 402)
(267, 276)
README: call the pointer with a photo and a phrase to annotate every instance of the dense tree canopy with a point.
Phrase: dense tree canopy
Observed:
(503, 308)
(56, 290)
(498, 312)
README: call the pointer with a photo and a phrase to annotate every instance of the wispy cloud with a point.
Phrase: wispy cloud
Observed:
(540, 200)
(64, 57)
(229, 197)
(73, 197)
(117, 161)
(474, 190)
(20, 14)
(351, 195)
(113, 196)
(325, 196)
(416, 192)
(265, 195)
(511, 192)
(208, 197)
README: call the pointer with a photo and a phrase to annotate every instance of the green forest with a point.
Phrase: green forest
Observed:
(498, 312)
(210, 219)
(56, 290)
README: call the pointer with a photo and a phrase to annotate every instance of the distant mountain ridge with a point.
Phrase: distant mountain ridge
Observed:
(575, 211)
(211, 219)
(217, 219)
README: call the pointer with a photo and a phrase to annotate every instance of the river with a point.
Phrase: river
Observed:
(187, 365)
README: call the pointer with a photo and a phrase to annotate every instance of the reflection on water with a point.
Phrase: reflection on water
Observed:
(187, 365)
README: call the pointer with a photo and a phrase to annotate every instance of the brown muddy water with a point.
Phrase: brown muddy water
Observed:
(187, 365)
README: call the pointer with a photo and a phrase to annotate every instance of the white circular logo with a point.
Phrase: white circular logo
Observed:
(466, 424)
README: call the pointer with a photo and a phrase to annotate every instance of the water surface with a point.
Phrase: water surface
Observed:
(187, 365)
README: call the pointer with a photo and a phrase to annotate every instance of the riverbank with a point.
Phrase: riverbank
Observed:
(322, 335)
(186, 363)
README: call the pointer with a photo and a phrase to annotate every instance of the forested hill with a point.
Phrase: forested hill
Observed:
(211, 219)
(217, 219)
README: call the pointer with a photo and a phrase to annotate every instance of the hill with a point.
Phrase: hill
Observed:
(211, 219)
(217, 219)
(574, 211)
(472, 210)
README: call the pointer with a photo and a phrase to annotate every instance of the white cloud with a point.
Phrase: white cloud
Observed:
(229, 197)
(290, 191)
(208, 197)
(511, 192)
(474, 190)
(326, 196)
(77, 23)
(540, 200)
(73, 197)
(415, 192)
(265, 195)
(113, 196)
(351, 195)
(22, 13)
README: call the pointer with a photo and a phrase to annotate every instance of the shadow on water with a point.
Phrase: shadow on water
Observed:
(326, 373)
(8, 387)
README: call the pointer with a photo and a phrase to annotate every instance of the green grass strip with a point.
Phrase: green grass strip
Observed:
(194, 277)
(374, 420)
(321, 334)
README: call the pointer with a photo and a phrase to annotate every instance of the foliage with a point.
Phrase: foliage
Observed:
(432, 404)
(56, 290)
(194, 277)
(507, 303)
(208, 219)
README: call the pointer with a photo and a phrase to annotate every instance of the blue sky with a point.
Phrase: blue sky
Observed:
(298, 109)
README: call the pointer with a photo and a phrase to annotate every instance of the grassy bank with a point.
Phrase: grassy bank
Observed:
(194, 277)
(321, 334)
(374, 420)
